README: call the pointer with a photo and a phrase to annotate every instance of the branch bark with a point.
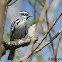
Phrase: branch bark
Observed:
(3, 8)
(2, 21)
(16, 44)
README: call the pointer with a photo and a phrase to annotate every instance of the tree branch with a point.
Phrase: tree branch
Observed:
(3, 8)
(56, 50)
(39, 49)
(48, 32)
(16, 44)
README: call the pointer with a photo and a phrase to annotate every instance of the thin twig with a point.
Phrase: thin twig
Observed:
(37, 30)
(39, 49)
(41, 19)
(41, 3)
(47, 32)
(34, 8)
(48, 25)
(55, 52)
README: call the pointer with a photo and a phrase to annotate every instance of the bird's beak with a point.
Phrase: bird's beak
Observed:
(29, 16)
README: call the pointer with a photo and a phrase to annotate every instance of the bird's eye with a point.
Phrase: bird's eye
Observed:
(26, 14)
(22, 13)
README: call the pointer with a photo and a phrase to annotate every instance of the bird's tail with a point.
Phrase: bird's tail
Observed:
(11, 54)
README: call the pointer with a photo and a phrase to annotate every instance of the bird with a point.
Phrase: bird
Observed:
(18, 29)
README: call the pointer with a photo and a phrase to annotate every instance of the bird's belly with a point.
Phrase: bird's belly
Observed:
(19, 33)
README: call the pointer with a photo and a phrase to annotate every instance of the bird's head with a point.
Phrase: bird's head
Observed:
(24, 14)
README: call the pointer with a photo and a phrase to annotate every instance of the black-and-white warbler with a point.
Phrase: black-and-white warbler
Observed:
(18, 29)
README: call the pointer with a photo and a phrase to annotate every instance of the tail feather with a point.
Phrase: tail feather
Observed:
(11, 55)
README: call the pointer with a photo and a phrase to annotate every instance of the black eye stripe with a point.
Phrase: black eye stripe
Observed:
(22, 13)
(26, 14)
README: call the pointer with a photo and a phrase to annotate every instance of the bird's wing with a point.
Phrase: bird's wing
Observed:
(26, 30)
(12, 28)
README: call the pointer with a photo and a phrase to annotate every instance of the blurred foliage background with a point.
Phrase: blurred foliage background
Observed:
(34, 8)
